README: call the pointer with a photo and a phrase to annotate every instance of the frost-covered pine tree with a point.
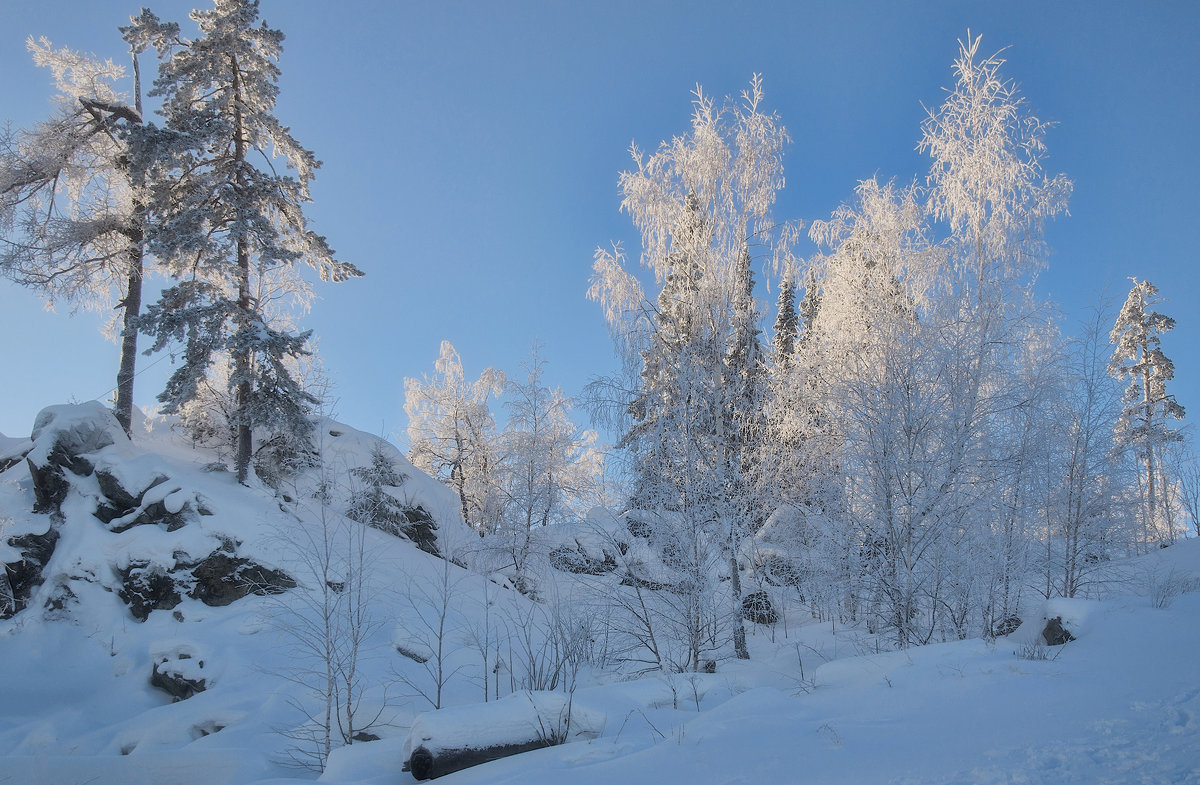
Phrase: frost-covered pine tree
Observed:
(453, 435)
(72, 197)
(786, 322)
(1143, 425)
(370, 500)
(231, 231)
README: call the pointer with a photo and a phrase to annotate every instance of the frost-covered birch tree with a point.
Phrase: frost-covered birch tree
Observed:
(872, 410)
(702, 203)
(548, 465)
(1085, 505)
(72, 196)
(233, 228)
(452, 433)
(988, 189)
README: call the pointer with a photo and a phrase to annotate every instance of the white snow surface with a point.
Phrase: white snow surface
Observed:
(1121, 704)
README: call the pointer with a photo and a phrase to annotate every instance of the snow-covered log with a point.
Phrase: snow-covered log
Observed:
(449, 740)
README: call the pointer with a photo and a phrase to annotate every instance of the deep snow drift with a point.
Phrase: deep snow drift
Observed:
(1119, 704)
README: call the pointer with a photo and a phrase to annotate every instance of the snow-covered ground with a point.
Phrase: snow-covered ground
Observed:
(1120, 704)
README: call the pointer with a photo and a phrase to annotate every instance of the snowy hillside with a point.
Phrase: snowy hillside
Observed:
(163, 564)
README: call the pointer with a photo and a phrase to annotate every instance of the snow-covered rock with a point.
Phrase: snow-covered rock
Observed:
(180, 671)
(63, 439)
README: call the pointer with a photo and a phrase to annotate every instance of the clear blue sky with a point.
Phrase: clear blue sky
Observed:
(471, 153)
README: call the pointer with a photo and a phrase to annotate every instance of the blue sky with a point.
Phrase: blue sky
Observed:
(471, 154)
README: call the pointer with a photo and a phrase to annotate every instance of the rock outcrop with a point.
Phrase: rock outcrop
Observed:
(220, 578)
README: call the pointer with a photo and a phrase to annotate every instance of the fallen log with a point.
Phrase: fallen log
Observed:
(425, 765)
(449, 740)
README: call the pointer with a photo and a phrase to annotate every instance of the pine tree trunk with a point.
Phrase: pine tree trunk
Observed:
(1148, 409)
(129, 335)
(242, 353)
(132, 305)
(242, 365)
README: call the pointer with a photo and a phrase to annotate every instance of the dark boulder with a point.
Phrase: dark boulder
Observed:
(223, 577)
(1055, 634)
(179, 674)
(639, 582)
(8, 603)
(758, 608)
(206, 728)
(778, 570)
(639, 528)
(451, 739)
(220, 578)
(427, 764)
(50, 485)
(146, 587)
(421, 529)
(25, 574)
(60, 601)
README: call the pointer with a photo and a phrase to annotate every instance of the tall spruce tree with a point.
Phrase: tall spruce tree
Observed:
(786, 322)
(232, 232)
(1147, 407)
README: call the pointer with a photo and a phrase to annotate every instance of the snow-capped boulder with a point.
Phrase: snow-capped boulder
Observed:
(567, 559)
(180, 672)
(136, 492)
(63, 436)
